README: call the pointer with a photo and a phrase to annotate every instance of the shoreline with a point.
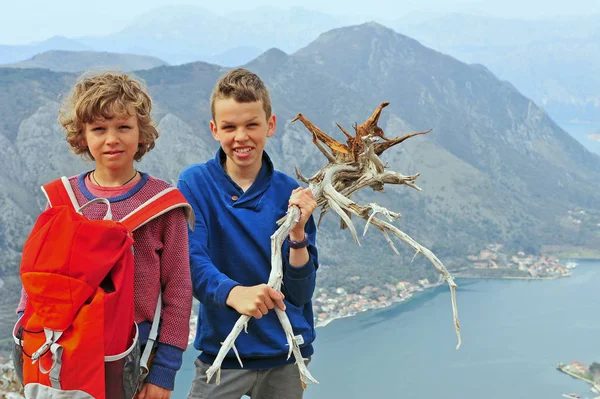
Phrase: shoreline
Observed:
(565, 369)
(509, 277)
(326, 322)
(392, 302)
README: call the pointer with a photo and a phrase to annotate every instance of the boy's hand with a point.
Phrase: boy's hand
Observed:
(151, 391)
(255, 301)
(304, 199)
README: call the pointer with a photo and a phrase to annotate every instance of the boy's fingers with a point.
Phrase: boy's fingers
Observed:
(268, 302)
(262, 308)
(280, 304)
(297, 193)
(256, 314)
(278, 298)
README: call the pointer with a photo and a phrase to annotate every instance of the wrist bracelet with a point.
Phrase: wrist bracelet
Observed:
(298, 244)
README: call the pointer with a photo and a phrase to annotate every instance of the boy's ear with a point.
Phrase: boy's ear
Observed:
(213, 130)
(272, 125)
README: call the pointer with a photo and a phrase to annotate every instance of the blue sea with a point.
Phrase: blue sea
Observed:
(514, 333)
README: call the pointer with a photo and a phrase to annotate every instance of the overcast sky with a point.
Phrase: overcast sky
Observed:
(24, 21)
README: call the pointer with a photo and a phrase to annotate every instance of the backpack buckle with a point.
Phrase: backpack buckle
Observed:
(51, 338)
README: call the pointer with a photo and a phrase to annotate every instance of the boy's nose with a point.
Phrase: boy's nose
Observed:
(241, 135)
(111, 136)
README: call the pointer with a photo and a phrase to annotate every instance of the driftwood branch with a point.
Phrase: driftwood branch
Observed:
(275, 281)
(350, 168)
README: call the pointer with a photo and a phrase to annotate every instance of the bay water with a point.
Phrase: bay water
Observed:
(514, 333)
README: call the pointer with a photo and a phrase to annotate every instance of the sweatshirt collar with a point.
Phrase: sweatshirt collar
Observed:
(132, 191)
(237, 197)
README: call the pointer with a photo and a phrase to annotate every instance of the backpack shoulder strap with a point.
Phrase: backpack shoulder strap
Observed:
(168, 199)
(60, 192)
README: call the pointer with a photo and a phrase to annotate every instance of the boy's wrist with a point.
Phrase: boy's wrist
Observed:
(298, 243)
(296, 235)
(224, 290)
(231, 299)
(230, 296)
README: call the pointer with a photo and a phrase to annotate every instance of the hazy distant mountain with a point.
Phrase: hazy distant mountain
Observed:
(180, 34)
(553, 60)
(10, 54)
(495, 168)
(77, 61)
(453, 30)
(236, 56)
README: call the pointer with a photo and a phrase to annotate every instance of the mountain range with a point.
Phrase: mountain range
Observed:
(78, 61)
(550, 60)
(494, 169)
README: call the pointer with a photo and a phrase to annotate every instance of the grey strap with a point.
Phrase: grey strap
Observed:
(51, 337)
(107, 216)
(151, 339)
(54, 371)
(57, 351)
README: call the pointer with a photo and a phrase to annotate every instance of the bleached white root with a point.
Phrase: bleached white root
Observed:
(332, 188)
(275, 281)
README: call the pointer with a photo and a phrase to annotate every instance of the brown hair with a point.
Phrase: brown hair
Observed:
(244, 87)
(104, 96)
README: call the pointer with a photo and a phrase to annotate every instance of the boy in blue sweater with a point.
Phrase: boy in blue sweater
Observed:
(238, 197)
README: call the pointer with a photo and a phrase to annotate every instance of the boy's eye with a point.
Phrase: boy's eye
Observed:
(97, 129)
(228, 127)
(253, 124)
(125, 127)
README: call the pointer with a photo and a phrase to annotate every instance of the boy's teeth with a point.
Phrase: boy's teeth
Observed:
(243, 150)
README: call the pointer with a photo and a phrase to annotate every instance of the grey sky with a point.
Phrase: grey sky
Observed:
(23, 21)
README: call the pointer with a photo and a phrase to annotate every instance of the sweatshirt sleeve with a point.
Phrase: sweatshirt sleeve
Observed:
(299, 282)
(209, 285)
(165, 364)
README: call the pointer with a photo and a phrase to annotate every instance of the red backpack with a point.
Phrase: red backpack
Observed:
(77, 337)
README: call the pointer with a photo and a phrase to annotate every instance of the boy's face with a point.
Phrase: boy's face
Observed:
(113, 142)
(242, 129)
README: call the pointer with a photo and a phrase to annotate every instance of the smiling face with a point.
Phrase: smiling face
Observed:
(113, 142)
(242, 129)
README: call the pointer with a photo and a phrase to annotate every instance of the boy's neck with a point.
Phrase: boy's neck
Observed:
(114, 177)
(243, 177)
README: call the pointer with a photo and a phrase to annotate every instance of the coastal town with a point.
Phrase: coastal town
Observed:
(329, 305)
(578, 370)
(492, 262)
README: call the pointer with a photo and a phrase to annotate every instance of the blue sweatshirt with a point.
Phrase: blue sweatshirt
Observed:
(231, 246)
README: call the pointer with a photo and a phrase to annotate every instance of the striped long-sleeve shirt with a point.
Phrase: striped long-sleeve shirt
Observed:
(161, 262)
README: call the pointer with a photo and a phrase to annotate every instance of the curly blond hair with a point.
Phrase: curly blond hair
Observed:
(103, 96)
(244, 87)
